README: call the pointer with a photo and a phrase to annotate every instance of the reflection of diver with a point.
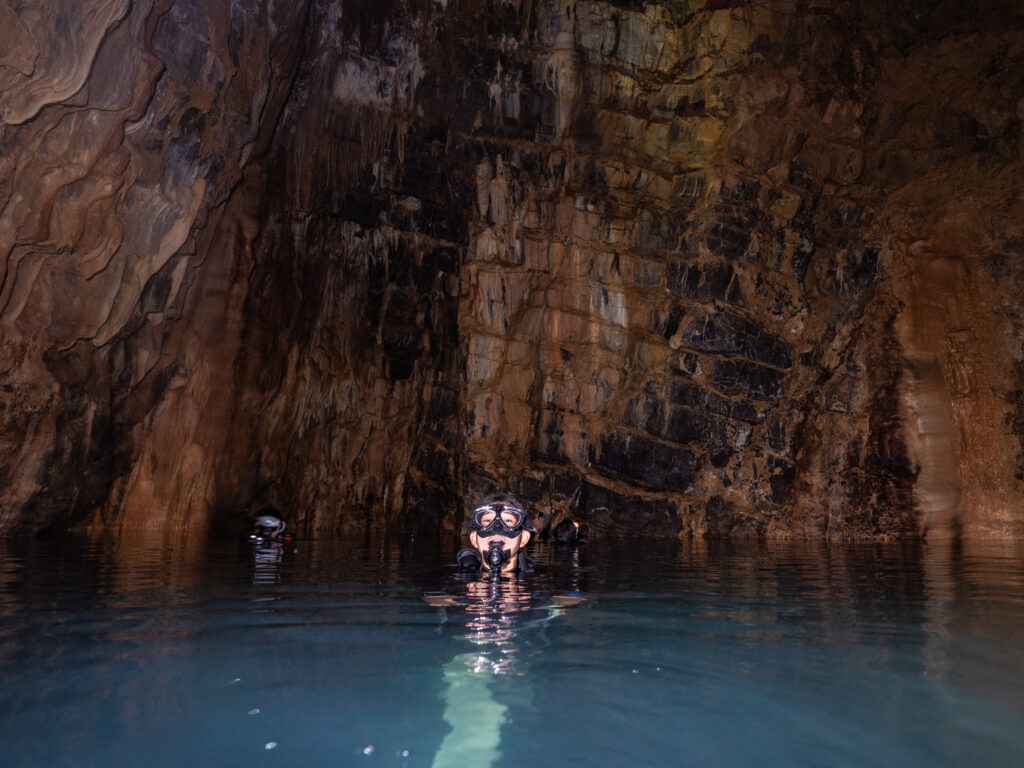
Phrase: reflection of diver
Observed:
(487, 612)
(480, 684)
(266, 562)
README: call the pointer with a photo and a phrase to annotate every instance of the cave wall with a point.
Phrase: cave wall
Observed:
(126, 129)
(677, 267)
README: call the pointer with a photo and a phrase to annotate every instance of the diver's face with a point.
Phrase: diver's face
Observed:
(484, 540)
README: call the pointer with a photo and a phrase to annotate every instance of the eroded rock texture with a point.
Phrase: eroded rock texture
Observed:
(668, 267)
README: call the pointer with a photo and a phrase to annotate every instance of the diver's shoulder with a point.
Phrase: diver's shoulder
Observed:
(469, 559)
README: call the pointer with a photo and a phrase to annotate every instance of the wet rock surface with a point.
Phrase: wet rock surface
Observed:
(668, 268)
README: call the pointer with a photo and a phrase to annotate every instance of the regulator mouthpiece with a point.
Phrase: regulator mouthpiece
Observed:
(497, 557)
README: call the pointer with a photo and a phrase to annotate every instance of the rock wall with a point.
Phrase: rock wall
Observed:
(126, 128)
(670, 268)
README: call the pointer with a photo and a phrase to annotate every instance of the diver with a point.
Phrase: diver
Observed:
(498, 532)
(268, 541)
(567, 532)
(268, 527)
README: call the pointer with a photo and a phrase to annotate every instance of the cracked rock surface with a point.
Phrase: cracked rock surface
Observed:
(669, 268)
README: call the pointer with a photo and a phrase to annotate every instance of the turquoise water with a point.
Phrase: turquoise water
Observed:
(617, 654)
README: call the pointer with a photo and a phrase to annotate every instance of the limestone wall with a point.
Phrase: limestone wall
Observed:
(677, 267)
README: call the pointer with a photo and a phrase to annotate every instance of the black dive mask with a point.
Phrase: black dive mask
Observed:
(507, 520)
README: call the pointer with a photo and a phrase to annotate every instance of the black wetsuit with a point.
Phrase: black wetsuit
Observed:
(470, 562)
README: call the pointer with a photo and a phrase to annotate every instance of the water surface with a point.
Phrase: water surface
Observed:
(616, 654)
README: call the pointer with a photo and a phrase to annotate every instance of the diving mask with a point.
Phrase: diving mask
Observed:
(497, 520)
(270, 523)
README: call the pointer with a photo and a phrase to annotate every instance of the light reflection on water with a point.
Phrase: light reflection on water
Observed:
(619, 653)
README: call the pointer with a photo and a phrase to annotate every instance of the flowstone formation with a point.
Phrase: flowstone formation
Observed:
(669, 268)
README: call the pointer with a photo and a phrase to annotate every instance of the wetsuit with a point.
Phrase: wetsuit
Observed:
(470, 562)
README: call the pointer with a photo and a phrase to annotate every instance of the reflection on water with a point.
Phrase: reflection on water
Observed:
(681, 653)
(493, 609)
(975, 591)
(491, 615)
(487, 614)
(266, 562)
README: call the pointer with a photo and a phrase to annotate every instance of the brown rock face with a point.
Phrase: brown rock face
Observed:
(669, 268)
